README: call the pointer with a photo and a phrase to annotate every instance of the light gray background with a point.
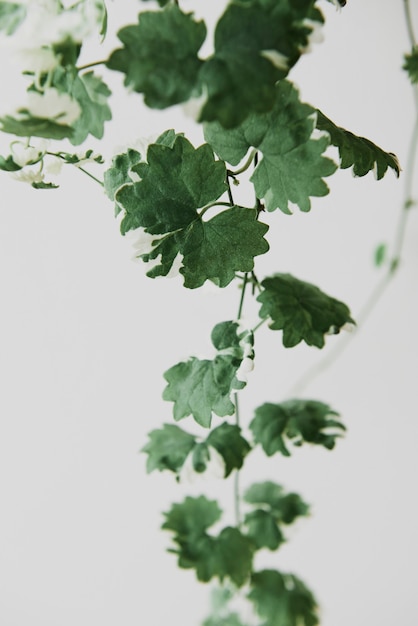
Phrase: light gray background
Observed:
(85, 338)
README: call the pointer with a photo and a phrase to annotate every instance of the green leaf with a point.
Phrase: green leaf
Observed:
(227, 440)
(358, 152)
(284, 137)
(119, 174)
(285, 507)
(295, 421)
(34, 127)
(262, 528)
(380, 254)
(202, 387)
(264, 524)
(215, 250)
(200, 457)
(411, 65)
(227, 555)
(256, 43)
(8, 165)
(178, 180)
(301, 310)
(159, 57)
(11, 16)
(91, 94)
(191, 518)
(282, 599)
(168, 448)
(42, 185)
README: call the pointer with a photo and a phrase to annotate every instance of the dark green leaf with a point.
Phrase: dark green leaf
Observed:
(11, 16)
(256, 43)
(283, 599)
(159, 57)
(301, 310)
(200, 457)
(202, 387)
(8, 165)
(168, 448)
(358, 152)
(411, 65)
(178, 180)
(295, 421)
(42, 185)
(227, 440)
(284, 137)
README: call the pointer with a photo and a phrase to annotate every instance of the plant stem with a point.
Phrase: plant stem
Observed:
(237, 491)
(90, 175)
(88, 65)
(212, 204)
(246, 165)
(409, 24)
(392, 268)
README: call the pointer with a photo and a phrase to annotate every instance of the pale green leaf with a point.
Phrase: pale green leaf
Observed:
(202, 387)
(12, 15)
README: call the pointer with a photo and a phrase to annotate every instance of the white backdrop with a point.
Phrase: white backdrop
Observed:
(85, 338)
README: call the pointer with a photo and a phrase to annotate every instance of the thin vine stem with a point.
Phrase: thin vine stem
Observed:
(409, 23)
(211, 205)
(394, 261)
(246, 165)
(56, 154)
(87, 66)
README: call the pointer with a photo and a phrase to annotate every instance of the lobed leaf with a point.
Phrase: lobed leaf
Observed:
(282, 599)
(295, 421)
(357, 152)
(283, 136)
(168, 448)
(203, 387)
(178, 180)
(256, 43)
(411, 65)
(301, 310)
(160, 56)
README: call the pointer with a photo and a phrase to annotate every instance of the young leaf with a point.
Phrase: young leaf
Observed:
(11, 16)
(178, 180)
(301, 310)
(358, 152)
(8, 165)
(411, 65)
(284, 137)
(295, 421)
(159, 57)
(230, 444)
(168, 448)
(256, 43)
(380, 254)
(202, 387)
(282, 599)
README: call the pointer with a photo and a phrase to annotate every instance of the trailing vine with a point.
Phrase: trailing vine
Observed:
(179, 201)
